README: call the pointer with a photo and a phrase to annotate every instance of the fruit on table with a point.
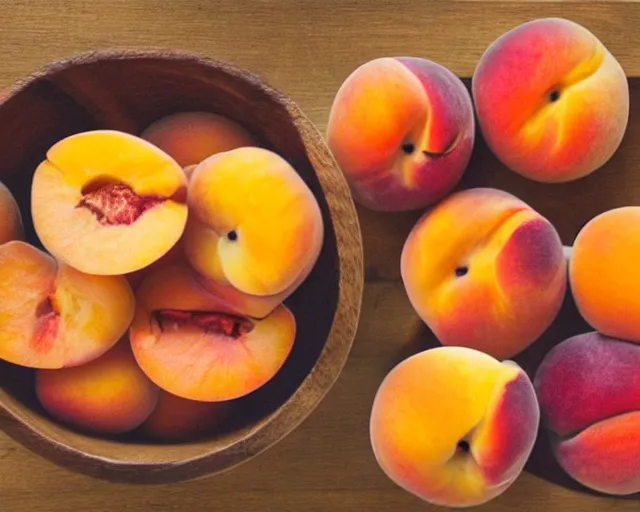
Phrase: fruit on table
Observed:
(107, 202)
(11, 226)
(52, 315)
(109, 395)
(255, 229)
(603, 272)
(191, 345)
(402, 130)
(485, 270)
(178, 419)
(190, 137)
(454, 426)
(552, 102)
(589, 395)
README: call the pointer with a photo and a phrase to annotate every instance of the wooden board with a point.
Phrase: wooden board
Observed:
(307, 48)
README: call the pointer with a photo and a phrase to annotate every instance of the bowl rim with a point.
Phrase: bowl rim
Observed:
(332, 358)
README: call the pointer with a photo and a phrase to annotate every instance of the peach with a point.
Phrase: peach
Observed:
(191, 345)
(484, 270)
(454, 426)
(178, 419)
(52, 315)
(255, 229)
(190, 137)
(402, 130)
(552, 102)
(603, 275)
(589, 395)
(107, 202)
(11, 225)
(109, 395)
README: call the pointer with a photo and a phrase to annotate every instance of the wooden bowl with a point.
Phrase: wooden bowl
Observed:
(127, 90)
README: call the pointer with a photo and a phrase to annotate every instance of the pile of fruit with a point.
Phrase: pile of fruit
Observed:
(158, 299)
(487, 273)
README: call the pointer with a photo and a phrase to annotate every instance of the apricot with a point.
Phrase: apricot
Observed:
(191, 345)
(484, 270)
(552, 102)
(107, 202)
(603, 275)
(255, 229)
(402, 130)
(11, 225)
(109, 395)
(454, 426)
(52, 315)
(191, 137)
(178, 419)
(589, 395)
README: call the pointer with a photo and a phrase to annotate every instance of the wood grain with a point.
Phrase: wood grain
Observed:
(307, 48)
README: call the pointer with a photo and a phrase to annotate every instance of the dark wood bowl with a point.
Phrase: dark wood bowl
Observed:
(127, 90)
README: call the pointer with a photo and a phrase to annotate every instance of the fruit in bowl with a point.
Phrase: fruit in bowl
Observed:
(552, 102)
(402, 130)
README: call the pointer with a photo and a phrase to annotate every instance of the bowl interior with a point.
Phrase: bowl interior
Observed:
(128, 91)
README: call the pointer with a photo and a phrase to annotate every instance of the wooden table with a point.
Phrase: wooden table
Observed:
(307, 48)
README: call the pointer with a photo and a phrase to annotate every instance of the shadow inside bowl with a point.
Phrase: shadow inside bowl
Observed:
(127, 91)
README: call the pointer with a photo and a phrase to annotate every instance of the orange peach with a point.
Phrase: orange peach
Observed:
(107, 202)
(454, 426)
(603, 272)
(109, 395)
(255, 229)
(485, 270)
(190, 137)
(552, 102)
(11, 225)
(402, 130)
(178, 419)
(191, 345)
(52, 315)
(589, 395)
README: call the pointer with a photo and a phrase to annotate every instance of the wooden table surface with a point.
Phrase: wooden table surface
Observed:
(306, 48)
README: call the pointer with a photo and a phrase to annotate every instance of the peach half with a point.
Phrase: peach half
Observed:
(191, 137)
(402, 130)
(484, 270)
(603, 272)
(54, 316)
(454, 426)
(176, 419)
(109, 395)
(11, 225)
(191, 345)
(552, 102)
(589, 395)
(107, 202)
(255, 229)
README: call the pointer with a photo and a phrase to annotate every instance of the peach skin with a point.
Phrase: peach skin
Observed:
(402, 129)
(52, 315)
(191, 345)
(109, 395)
(589, 395)
(107, 202)
(454, 426)
(603, 275)
(497, 277)
(191, 137)
(255, 229)
(552, 102)
(11, 226)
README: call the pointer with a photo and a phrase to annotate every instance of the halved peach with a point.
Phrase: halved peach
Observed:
(191, 345)
(254, 224)
(52, 315)
(107, 202)
(11, 225)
